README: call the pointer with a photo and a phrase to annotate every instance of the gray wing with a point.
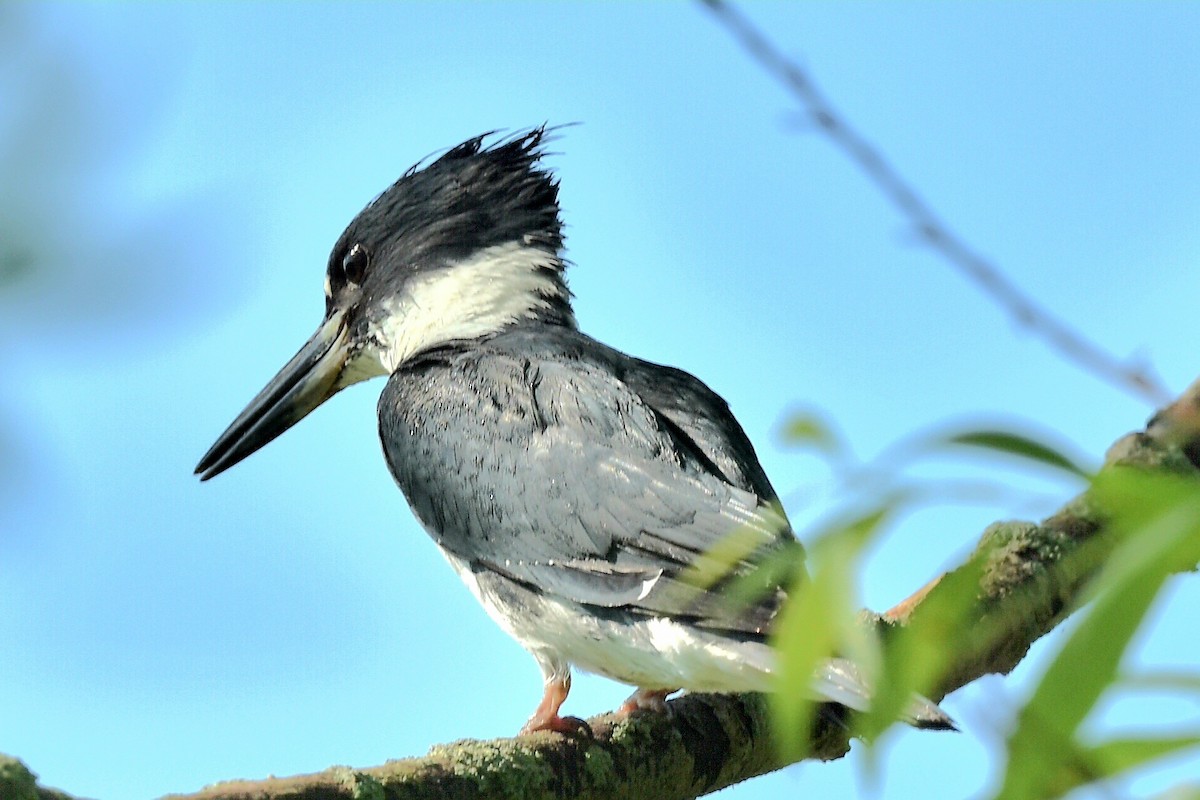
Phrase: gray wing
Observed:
(703, 418)
(564, 471)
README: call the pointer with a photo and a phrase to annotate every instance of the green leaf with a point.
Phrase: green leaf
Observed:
(1138, 500)
(807, 429)
(1092, 764)
(1181, 791)
(916, 657)
(1014, 444)
(818, 621)
(1156, 520)
(807, 633)
(1176, 682)
(726, 554)
(780, 568)
(1121, 755)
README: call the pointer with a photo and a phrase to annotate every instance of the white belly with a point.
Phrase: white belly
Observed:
(651, 653)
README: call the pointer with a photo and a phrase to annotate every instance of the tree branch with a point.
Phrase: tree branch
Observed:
(1031, 580)
(928, 226)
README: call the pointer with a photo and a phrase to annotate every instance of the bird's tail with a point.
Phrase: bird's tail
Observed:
(842, 682)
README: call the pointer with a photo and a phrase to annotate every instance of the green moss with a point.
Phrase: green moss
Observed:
(361, 785)
(1013, 552)
(16, 781)
(598, 767)
(505, 767)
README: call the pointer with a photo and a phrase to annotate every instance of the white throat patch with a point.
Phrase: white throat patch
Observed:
(465, 300)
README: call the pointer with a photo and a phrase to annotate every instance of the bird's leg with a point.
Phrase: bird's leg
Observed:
(557, 681)
(645, 700)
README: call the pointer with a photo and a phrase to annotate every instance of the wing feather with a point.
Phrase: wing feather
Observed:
(573, 471)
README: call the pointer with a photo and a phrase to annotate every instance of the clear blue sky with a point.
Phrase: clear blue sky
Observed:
(179, 173)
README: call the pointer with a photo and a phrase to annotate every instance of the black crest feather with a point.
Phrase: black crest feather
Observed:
(473, 196)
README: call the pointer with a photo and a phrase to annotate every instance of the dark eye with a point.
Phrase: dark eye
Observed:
(355, 264)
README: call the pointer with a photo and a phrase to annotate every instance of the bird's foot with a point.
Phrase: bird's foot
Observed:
(546, 717)
(567, 726)
(645, 700)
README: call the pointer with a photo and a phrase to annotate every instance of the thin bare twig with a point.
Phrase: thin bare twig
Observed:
(929, 227)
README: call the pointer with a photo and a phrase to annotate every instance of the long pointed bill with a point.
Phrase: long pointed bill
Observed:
(308, 380)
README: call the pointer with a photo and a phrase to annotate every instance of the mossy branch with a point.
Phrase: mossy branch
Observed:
(1031, 579)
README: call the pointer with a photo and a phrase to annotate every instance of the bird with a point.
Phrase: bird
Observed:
(577, 491)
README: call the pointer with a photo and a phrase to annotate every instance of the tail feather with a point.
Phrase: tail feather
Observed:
(842, 682)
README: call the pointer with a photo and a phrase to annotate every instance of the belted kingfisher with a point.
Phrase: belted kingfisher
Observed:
(575, 489)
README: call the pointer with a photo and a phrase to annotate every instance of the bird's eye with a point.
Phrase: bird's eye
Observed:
(355, 264)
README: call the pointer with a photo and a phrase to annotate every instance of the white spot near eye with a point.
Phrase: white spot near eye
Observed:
(328, 288)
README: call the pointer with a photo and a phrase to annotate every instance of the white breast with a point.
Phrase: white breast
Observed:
(651, 653)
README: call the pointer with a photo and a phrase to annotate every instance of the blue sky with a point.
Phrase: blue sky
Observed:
(178, 174)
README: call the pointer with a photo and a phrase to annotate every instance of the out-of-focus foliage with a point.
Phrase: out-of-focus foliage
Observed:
(820, 622)
(93, 263)
(1013, 444)
(807, 429)
(88, 253)
(1155, 520)
(1155, 524)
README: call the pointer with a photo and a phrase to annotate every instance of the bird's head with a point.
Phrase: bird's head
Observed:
(455, 250)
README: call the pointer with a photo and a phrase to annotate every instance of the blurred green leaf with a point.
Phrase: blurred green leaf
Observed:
(818, 622)
(1181, 792)
(780, 568)
(1092, 764)
(1156, 520)
(14, 266)
(1013, 444)
(807, 633)
(808, 429)
(917, 657)
(1120, 755)
(1177, 682)
(724, 556)
(1148, 509)
(738, 552)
